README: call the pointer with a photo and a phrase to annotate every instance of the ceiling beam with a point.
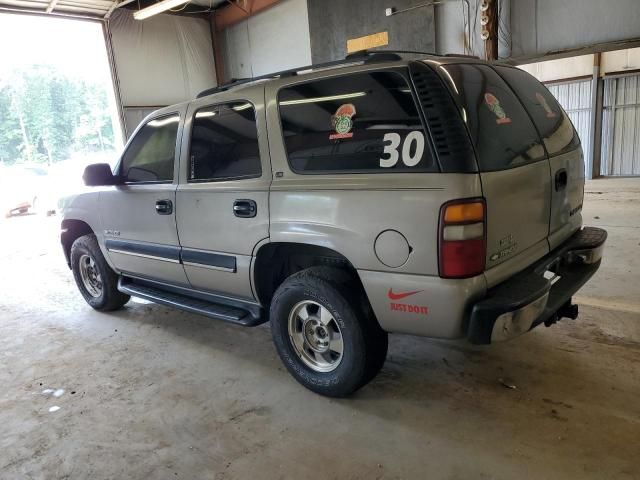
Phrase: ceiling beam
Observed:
(115, 5)
(51, 6)
(236, 3)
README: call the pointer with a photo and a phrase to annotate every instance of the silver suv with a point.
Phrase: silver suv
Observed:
(438, 196)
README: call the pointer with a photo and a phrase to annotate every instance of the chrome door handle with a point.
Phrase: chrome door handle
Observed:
(245, 208)
(164, 207)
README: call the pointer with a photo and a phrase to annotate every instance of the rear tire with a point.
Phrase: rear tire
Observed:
(324, 334)
(97, 282)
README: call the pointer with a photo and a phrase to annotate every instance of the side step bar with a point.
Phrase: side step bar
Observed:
(219, 311)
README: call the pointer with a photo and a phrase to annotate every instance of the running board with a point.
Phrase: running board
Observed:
(210, 309)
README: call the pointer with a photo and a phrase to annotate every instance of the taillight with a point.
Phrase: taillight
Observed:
(462, 238)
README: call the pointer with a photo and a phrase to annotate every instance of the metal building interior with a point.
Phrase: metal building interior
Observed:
(149, 392)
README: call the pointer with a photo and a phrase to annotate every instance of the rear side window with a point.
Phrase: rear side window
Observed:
(550, 119)
(500, 128)
(151, 153)
(365, 122)
(224, 143)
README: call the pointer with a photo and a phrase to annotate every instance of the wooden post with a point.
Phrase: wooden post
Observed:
(491, 43)
(216, 43)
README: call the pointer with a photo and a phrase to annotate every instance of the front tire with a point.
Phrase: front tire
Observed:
(97, 282)
(323, 335)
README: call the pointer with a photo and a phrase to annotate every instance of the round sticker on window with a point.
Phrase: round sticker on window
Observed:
(494, 105)
(342, 122)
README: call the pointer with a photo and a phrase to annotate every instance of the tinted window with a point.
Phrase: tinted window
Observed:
(361, 122)
(151, 153)
(224, 143)
(500, 128)
(550, 119)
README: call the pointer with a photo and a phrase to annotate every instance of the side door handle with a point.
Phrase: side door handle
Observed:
(164, 207)
(561, 179)
(245, 208)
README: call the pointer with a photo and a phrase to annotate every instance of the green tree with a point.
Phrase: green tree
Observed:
(10, 138)
(45, 116)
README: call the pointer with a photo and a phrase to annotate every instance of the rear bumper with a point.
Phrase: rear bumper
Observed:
(541, 293)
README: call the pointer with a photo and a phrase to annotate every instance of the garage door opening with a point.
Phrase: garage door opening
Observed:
(58, 109)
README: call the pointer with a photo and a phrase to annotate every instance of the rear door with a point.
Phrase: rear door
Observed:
(223, 196)
(563, 147)
(514, 169)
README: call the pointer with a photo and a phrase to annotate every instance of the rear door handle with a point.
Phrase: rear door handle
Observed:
(164, 207)
(561, 179)
(245, 208)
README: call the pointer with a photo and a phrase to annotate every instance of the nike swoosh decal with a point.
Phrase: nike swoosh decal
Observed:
(400, 296)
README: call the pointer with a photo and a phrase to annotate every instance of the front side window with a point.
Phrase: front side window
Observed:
(365, 122)
(500, 128)
(224, 143)
(151, 154)
(552, 122)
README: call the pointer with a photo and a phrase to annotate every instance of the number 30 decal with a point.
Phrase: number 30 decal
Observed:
(392, 142)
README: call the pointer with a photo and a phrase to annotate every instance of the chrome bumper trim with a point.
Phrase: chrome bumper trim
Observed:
(514, 323)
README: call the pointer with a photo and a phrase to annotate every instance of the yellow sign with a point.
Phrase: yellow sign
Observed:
(370, 41)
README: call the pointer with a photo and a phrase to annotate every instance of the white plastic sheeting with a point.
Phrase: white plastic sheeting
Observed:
(272, 40)
(160, 61)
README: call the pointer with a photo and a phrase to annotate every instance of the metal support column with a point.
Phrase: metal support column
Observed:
(106, 29)
(593, 170)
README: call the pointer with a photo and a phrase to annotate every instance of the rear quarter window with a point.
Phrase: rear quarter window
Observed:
(501, 130)
(365, 122)
(550, 119)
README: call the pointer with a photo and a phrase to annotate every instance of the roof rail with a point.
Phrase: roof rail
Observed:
(223, 86)
(364, 56)
(397, 52)
(461, 55)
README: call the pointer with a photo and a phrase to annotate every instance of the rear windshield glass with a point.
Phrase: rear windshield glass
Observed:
(366, 122)
(501, 130)
(550, 119)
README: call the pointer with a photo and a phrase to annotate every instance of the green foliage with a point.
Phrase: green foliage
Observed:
(10, 138)
(46, 116)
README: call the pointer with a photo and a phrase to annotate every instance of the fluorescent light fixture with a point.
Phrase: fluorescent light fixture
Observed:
(324, 99)
(161, 122)
(448, 75)
(157, 8)
(206, 114)
(241, 107)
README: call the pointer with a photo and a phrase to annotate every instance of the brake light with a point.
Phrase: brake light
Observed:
(462, 238)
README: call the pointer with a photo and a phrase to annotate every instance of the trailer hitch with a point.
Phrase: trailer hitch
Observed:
(568, 310)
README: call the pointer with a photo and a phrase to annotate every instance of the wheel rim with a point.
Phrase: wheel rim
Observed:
(90, 276)
(315, 336)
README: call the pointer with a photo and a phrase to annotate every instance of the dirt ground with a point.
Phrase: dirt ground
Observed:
(149, 392)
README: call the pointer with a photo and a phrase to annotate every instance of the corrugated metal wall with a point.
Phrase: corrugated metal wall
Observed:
(621, 126)
(575, 98)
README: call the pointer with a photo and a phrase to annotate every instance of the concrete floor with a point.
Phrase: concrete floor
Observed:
(149, 392)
